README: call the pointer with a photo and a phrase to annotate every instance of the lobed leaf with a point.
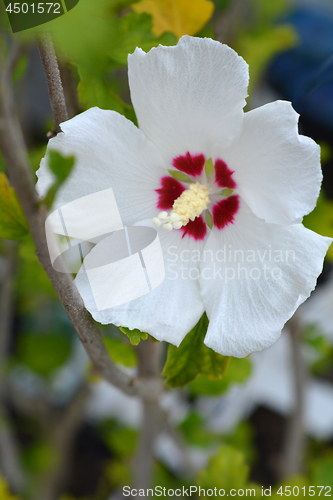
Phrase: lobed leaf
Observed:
(135, 335)
(192, 357)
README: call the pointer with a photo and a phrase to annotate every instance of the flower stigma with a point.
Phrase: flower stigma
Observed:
(189, 205)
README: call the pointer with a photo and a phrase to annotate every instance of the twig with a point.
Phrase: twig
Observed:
(149, 367)
(295, 438)
(15, 154)
(9, 454)
(62, 435)
(53, 80)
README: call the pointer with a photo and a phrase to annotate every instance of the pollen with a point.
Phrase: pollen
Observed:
(191, 203)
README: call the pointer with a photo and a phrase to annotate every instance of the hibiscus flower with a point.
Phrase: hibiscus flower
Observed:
(227, 188)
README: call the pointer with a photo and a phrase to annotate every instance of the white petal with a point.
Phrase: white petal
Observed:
(189, 97)
(167, 312)
(110, 153)
(256, 290)
(277, 171)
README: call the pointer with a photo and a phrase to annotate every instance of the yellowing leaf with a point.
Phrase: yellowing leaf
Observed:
(182, 17)
(4, 491)
(13, 224)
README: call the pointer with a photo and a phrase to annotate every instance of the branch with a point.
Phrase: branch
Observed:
(295, 438)
(15, 154)
(61, 433)
(9, 453)
(149, 367)
(53, 80)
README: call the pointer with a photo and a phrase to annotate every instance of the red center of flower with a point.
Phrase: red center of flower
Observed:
(190, 165)
(223, 212)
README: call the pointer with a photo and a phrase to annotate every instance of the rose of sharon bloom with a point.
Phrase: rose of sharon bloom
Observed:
(230, 229)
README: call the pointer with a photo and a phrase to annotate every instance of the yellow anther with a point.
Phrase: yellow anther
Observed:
(192, 202)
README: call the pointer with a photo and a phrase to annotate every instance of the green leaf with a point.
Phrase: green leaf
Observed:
(13, 224)
(321, 470)
(226, 470)
(135, 335)
(121, 440)
(98, 92)
(192, 357)
(39, 457)
(321, 221)
(260, 46)
(43, 353)
(135, 30)
(179, 176)
(238, 372)
(61, 166)
(193, 428)
(209, 168)
(5, 494)
(120, 352)
(269, 11)
(209, 219)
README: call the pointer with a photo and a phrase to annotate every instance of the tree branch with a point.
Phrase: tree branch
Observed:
(9, 454)
(53, 80)
(295, 438)
(15, 154)
(149, 368)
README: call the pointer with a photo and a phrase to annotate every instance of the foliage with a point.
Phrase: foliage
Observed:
(175, 15)
(33, 288)
(120, 352)
(94, 41)
(321, 220)
(4, 491)
(135, 335)
(192, 357)
(259, 46)
(61, 167)
(195, 432)
(43, 353)
(13, 224)
(226, 470)
(121, 440)
(238, 371)
(321, 470)
(97, 38)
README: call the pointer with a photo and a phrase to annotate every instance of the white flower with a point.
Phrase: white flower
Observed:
(258, 263)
